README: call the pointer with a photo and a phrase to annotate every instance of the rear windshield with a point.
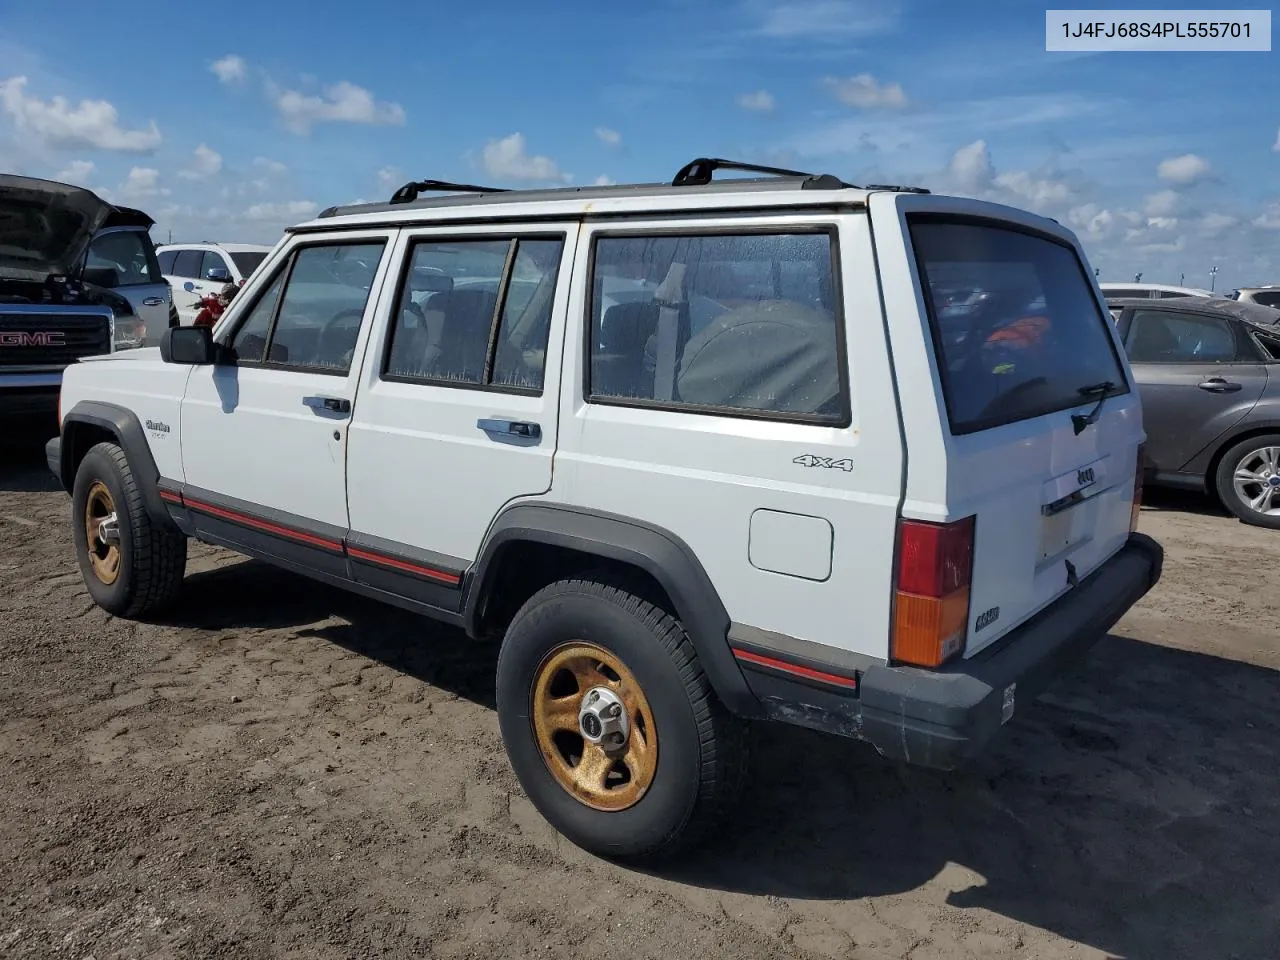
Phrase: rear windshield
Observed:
(1017, 328)
(247, 262)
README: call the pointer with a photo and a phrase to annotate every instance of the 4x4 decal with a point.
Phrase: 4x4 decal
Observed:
(809, 460)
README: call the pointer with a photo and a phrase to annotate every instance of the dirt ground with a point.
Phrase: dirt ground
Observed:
(286, 771)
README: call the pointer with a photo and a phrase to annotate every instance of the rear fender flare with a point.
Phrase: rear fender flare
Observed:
(658, 552)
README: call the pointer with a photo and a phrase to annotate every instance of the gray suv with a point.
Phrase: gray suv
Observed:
(1209, 374)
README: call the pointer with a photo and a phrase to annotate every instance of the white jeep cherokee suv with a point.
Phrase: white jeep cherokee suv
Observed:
(699, 453)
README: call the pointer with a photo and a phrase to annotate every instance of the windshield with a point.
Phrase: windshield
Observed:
(1017, 328)
(246, 263)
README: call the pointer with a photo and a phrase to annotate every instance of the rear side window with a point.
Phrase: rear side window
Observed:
(746, 325)
(1028, 338)
(247, 262)
(165, 258)
(1159, 336)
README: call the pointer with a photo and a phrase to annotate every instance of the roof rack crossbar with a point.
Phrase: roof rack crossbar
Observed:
(698, 173)
(410, 191)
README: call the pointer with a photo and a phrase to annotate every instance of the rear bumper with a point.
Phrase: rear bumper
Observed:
(940, 718)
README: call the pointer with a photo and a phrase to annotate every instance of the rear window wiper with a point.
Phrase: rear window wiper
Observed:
(1100, 390)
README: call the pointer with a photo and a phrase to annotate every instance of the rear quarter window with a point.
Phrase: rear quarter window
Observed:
(1016, 326)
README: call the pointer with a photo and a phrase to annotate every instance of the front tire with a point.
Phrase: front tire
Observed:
(131, 566)
(611, 725)
(1248, 481)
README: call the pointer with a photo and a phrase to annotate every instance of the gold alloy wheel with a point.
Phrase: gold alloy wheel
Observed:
(102, 533)
(594, 726)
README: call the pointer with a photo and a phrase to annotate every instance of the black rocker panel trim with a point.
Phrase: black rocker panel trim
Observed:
(343, 582)
(265, 532)
(421, 575)
(123, 424)
(660, 553)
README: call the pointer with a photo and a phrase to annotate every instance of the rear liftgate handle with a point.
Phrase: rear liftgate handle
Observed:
(511, 428)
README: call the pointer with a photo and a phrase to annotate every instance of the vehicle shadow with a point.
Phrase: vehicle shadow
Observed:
(1170, 500)
(22, 464)
(1132, 809)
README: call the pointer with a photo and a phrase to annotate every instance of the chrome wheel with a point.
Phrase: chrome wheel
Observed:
(1256, 481)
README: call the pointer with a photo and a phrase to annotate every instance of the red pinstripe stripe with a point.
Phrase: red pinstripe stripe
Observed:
(264, 525)
(795, 669)
(452, 579)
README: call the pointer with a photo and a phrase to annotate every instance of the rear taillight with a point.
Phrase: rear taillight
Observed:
(1137, 487)
(931, 602)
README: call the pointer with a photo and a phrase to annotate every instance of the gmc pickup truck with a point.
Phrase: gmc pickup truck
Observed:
(78, 278)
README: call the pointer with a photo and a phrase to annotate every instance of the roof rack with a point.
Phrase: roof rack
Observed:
(410, 191)
(897, 188)
(697, 173)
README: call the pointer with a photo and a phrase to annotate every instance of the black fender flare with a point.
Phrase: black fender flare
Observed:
(124, 426)
(658, 552)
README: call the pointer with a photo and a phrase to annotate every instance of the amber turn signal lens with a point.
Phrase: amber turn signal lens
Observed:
(929, 631)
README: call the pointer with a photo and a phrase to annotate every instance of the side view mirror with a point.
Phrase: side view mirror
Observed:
(188, 345)
(219, 275)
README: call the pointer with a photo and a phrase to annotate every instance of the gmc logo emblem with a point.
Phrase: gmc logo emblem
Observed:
(40, 338)
(1084, 477)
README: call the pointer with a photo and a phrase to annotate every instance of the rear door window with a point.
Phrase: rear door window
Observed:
(1025, 336)
(1162, 336)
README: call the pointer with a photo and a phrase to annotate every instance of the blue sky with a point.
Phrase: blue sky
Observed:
(1165, 163)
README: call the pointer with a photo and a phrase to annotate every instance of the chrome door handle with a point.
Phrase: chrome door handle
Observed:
(1218, 385)
(328, 404)
(153, 302)
(513, 428)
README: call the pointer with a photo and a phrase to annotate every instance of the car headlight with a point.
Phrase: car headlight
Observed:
(129, 334)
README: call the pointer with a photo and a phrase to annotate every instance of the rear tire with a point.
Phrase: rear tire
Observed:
(1249, 474)
(579, 636)
(131, 566)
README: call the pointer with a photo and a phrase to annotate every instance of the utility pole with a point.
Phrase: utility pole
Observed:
(1181, 278)
(1213, 277)
(1137, 278)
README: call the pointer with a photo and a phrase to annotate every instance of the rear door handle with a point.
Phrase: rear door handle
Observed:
(153, 301)
(1218, 385)
(513, 428)
(328, 404)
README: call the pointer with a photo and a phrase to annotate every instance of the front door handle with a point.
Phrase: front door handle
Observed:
(328, 404)
(153, 301)
(1218, 385)
(513, 428)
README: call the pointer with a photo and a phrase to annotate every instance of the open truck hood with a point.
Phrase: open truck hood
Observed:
(45, 226)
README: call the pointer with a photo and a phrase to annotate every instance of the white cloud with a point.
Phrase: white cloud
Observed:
(1183, 170)
(390, 177)
(611, 137)
(507, 159)
(603, 181)
(972, 168)
(230, 69)
(866, 93)
(91, 123)
(1211, 224)
(1269, 219)
(759, 102)
(342, 102)
(273, 167)
(208, 163)
(288, 212)
(1162, 204)
(830, 20)
(1036, 193)
(1162, 223)
(1276, 146)
(141, 183)
(77, 172)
